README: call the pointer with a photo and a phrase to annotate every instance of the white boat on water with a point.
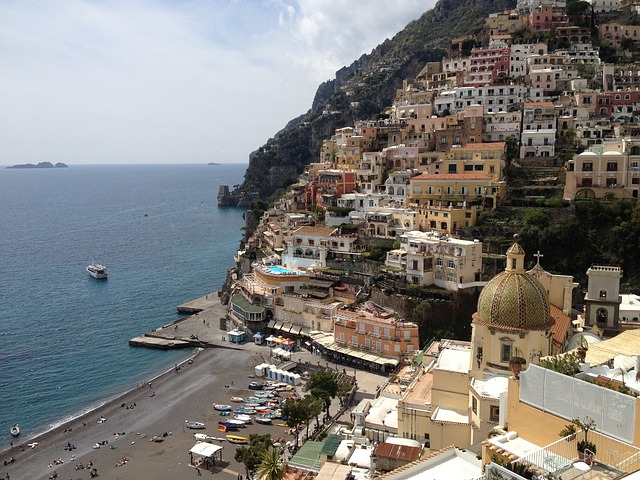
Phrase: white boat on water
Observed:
(194, 425)
(98, 271)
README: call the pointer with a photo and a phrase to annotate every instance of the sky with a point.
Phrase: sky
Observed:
(172, 81)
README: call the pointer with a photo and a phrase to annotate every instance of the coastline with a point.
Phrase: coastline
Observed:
(160, 405)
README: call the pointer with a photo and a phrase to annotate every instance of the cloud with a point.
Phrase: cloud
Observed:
(160, 81)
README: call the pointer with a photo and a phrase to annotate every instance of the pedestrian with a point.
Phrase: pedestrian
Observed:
(198, 470)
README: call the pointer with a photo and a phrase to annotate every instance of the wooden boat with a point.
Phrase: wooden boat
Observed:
(237, 422)
(194, 425)
(203, 437)
(228, 426)
(237, 439)
(243, 417)
(264, 420)
(245, 411)
(14, 430)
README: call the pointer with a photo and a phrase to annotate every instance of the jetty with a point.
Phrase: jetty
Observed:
(205, 327)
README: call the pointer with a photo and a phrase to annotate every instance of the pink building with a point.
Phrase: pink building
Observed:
(617, 104)
(546, 17)
(490, 60)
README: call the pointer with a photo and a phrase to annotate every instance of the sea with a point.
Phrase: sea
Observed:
(63, 334)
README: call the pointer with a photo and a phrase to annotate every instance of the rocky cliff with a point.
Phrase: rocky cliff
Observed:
(373, 79)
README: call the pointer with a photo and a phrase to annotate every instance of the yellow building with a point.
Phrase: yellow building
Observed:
(487, 158)
(467, 400)
(448, 202)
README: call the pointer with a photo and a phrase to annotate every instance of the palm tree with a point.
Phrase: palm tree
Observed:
(271, 468)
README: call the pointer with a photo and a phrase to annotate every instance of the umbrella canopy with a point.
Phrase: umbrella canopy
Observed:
(205, 449)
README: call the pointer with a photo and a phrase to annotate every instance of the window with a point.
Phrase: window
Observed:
(587, 167)
(612, 166)
(505, 352)
(451, 264)
(603, 294)
(494, 413)
(474, 404)
(443, 140)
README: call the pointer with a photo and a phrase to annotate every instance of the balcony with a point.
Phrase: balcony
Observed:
(612, 458)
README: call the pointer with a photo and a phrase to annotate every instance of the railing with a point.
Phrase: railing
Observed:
(609, 452)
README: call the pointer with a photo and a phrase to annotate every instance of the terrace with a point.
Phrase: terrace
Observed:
(560, 460)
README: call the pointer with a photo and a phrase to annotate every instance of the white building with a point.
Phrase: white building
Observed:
(429, 258)
(498, 126)
(519, 54)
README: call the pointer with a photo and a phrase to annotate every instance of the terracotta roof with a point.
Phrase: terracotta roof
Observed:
(452, 176)
(560, 329)
(307, 230)
(397, 452)
(486, 145)
(538, 104)
(418, 461)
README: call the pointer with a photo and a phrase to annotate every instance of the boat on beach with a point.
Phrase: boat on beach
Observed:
(194, 425)
(264, 420)
(237, 399)
(98, 271)
(203, 437)
(237, 439)
(243, 417)
(14, 430)
(222, 407)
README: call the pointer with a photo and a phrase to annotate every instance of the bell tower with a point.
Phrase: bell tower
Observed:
(602, 302)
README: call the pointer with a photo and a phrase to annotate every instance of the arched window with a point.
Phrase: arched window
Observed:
(603, 294)
(601, 315)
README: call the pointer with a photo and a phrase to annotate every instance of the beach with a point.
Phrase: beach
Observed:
(160, 405)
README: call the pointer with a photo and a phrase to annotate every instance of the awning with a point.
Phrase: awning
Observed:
(271, 323)
(295, 330)
(278, 325)
(205, 449)
(286, 327)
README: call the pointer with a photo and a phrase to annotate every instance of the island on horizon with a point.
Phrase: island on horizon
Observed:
(40, 165)
(213, 163)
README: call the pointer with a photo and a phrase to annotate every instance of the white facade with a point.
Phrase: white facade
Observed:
(432, 259)
(538, 143)
(519, 54)
(494, 98)
(498, 126)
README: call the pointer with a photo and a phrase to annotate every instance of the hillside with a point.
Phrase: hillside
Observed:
(373, 80)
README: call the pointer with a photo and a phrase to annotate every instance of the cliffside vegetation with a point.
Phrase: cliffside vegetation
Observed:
(372, 80)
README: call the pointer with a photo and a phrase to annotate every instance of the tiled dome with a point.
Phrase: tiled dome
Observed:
(514, 298)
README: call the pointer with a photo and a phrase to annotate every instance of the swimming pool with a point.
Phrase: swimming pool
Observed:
(278, 270)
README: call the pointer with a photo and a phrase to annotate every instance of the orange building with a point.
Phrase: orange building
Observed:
(373, 328)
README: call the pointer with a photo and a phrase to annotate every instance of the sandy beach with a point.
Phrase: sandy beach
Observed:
(160, 407)
(214, 375)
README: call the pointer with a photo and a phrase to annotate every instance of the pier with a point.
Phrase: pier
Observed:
(200, 329)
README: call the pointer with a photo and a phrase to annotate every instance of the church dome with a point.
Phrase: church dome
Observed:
(514, 298)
